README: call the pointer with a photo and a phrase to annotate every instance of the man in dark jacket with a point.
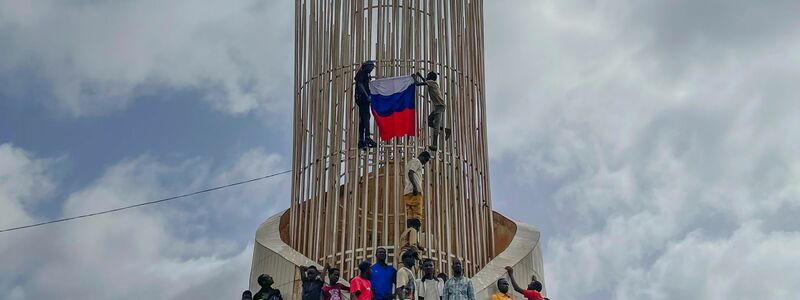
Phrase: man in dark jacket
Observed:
(362, 93)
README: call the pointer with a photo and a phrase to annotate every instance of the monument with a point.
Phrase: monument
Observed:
(345, 201)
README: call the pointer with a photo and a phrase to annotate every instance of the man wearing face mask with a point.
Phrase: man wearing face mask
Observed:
(458, 287)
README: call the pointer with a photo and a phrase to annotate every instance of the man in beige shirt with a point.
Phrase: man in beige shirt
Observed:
(412, 198)
(435, 119)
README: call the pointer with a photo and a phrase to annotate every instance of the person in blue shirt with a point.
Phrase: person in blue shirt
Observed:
(383, 277)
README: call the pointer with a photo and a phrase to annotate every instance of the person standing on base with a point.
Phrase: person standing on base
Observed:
(534, 291)
(333, 291)
(267, 292)
(412, 196)
(458, 287)
(383, 276)
(360, 287)
(429, 287)
(502, 287)
(435, 119)
(406, 281)
(362, 95)
(312, 282)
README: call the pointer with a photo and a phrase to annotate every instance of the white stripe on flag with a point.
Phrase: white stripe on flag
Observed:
(391, 85)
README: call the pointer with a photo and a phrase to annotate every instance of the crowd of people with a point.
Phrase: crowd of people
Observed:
(381, 281)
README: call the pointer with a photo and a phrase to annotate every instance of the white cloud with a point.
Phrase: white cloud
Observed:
(95, 57)
(639, 129)
(23, 182)
(750, 264)
(169, 251)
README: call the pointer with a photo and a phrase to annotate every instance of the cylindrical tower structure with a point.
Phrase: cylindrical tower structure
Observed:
(346, 202)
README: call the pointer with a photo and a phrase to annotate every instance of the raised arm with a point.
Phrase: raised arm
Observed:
(325, 273)
(420, 82)
(513, 281)
(303, 270)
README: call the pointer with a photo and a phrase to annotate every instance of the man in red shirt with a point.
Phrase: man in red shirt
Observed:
(360, 286)
(534, 291)
(333, 291)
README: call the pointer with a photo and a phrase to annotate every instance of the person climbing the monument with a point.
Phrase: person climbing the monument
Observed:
(502, 290)
(333, 290)
(435, 119)
(382, 276)
(267, 292)
(362, 95)
(458, 287)
(360, 287)
(312, 282)
(429, 287)
(534, 291)
(412, 196)
(406, 281)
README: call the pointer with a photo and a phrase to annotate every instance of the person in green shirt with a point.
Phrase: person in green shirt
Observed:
(459, 287)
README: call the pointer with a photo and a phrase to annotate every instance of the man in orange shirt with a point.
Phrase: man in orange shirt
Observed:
(502, 287)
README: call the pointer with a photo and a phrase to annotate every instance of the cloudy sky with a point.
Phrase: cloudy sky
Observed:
(654, 143)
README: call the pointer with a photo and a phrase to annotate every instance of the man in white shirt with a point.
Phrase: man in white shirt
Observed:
(406, 282)
(429, 287)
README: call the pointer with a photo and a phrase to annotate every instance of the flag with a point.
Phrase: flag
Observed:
(393, 106)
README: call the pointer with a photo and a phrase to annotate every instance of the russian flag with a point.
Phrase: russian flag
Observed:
(393, 106)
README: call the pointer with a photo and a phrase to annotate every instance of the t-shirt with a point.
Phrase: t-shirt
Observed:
(263, 294)
(532, 295)
(312, 289)
(459, 288)
(362, 285)
(430, 289)
(435, 93)
(332, 292)
(382, 281)
(413, 165)
(406, 279)
(501, 296)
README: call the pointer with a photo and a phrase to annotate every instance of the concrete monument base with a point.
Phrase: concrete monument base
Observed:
(517, 244)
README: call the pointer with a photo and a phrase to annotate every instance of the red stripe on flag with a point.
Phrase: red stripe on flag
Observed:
(395, 125)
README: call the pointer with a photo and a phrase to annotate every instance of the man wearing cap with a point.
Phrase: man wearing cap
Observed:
(362, 93)
(406, 281)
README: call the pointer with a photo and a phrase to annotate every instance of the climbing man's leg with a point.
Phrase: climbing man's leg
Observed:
(435, 122)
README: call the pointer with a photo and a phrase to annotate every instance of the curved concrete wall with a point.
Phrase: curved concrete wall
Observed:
(273, 256)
